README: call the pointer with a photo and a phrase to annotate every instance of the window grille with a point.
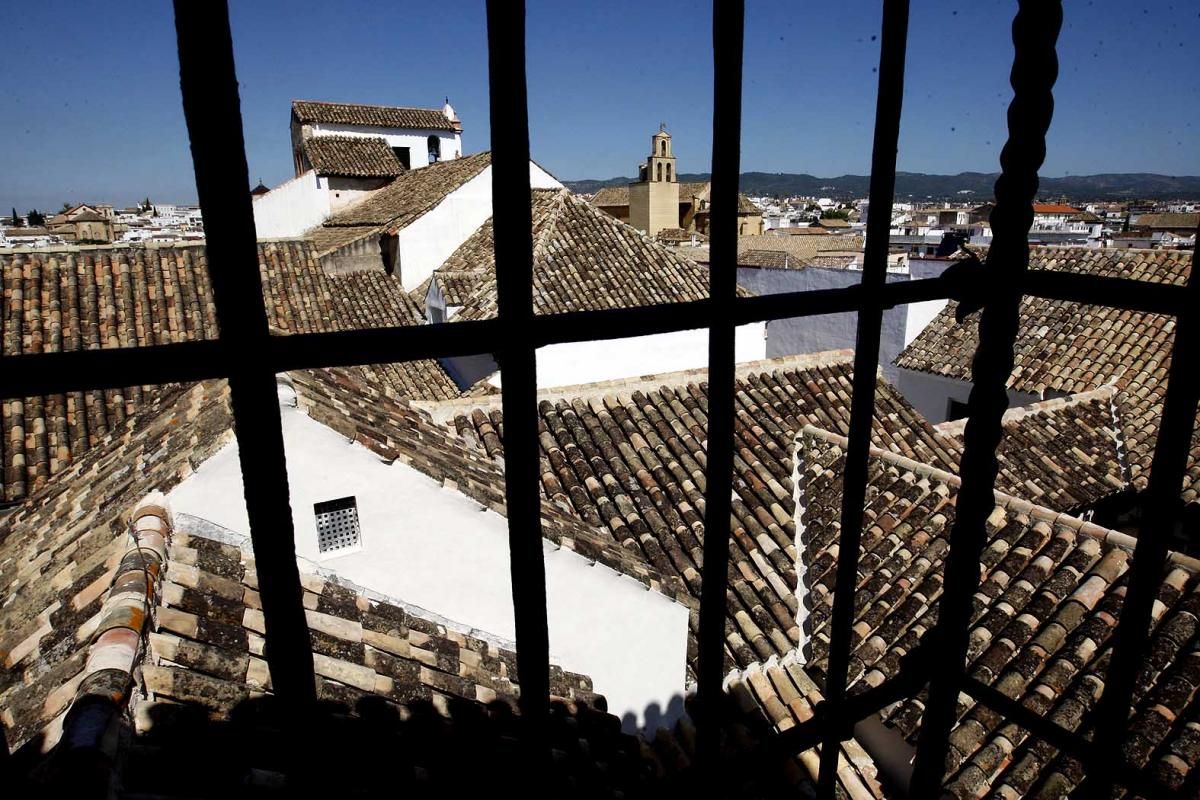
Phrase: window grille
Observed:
(337, 524)
(250, 358)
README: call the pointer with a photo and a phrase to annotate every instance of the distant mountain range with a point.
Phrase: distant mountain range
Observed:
(963, 186)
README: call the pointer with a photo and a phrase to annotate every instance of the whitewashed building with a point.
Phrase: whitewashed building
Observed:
(583, 261)
(342, 152)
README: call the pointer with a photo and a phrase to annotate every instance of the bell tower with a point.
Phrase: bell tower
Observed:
(654, 197)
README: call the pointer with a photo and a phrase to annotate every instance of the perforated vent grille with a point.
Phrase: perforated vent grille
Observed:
(337, 524)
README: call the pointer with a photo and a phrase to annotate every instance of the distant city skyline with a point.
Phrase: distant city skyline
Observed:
(87, 122)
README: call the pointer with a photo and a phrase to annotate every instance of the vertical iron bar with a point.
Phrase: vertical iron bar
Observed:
(214, 121)
(1150, 553)
(513, 225)
(728, 22)
(866, 357)
(1035, 69)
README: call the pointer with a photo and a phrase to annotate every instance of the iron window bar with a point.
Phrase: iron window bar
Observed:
(513, 216)
(209, 90)
(728, 23)
(212, 109)
(1167, 469)
(862, 399)
(1034, 71)
(31, 373)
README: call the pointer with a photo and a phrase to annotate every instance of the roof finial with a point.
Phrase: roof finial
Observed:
(662, 127)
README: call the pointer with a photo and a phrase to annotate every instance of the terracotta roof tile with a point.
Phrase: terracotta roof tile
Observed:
(1050, 588)
(306, 111)
(352, 156)
(1067, 347)
(628, 457)
(93, 298)
(583, 260)
(400, 203)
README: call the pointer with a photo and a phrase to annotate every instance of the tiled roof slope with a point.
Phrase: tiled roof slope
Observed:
(799, 248)
(629, 459)
(306, 111)
(208, 647)
(352, 156)
(1071, 347)
(780, 695)
(1067, 453)
(106, 297)
(58, 559)
(345, 400)
(582, 260)
(1051, 588)
(59, 552)
(1168, 220)
(611, 196)
(398, 204)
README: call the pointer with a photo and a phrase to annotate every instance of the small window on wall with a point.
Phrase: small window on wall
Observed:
(337, 524)
(435, 149)
(403, 157)
(955, 410)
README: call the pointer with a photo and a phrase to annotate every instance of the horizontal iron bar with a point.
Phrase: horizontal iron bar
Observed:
(50, 373)
(1070, 742)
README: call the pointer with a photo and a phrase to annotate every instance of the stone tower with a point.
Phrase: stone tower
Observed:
(654, 198)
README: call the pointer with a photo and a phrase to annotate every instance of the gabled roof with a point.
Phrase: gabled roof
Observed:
(399, 204)
(1051, 589)
(59, 552)
(1072, 347)
(1169, 220)
(1054, 208)
(628, 457)
(583, 259)
(799, 247)
(1067, 453)
(352, 156)
(614, 196)
(611, 196)
(130, 296)
(306, 111)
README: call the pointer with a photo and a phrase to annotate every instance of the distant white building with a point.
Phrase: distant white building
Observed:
(341, 152)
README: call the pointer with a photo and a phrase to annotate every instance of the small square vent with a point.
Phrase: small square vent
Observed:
(337, 524)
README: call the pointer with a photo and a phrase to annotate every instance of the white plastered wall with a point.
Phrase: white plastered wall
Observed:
(435, 548)
(585, 362)
(417, 141)
(426, 243)
(292, 208)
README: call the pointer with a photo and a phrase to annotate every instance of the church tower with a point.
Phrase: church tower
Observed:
(654, 198)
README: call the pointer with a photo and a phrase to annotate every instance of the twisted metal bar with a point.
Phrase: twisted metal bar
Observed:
(1035, 69)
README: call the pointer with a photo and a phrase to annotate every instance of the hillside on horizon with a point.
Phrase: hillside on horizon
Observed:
(964, 186)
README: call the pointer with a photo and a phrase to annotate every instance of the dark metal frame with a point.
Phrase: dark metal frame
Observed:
(249, 357)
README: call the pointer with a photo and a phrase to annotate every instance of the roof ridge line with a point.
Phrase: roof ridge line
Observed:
(363, 105)
(1105, 392)
(548, 224)
(444, 410)
(1007, 501)
(112, 657)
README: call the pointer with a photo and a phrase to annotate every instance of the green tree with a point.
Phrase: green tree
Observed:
(832, 214)
(36, 218)
(16, 221)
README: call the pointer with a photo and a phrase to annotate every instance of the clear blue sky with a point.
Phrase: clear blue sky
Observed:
(90, 109)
